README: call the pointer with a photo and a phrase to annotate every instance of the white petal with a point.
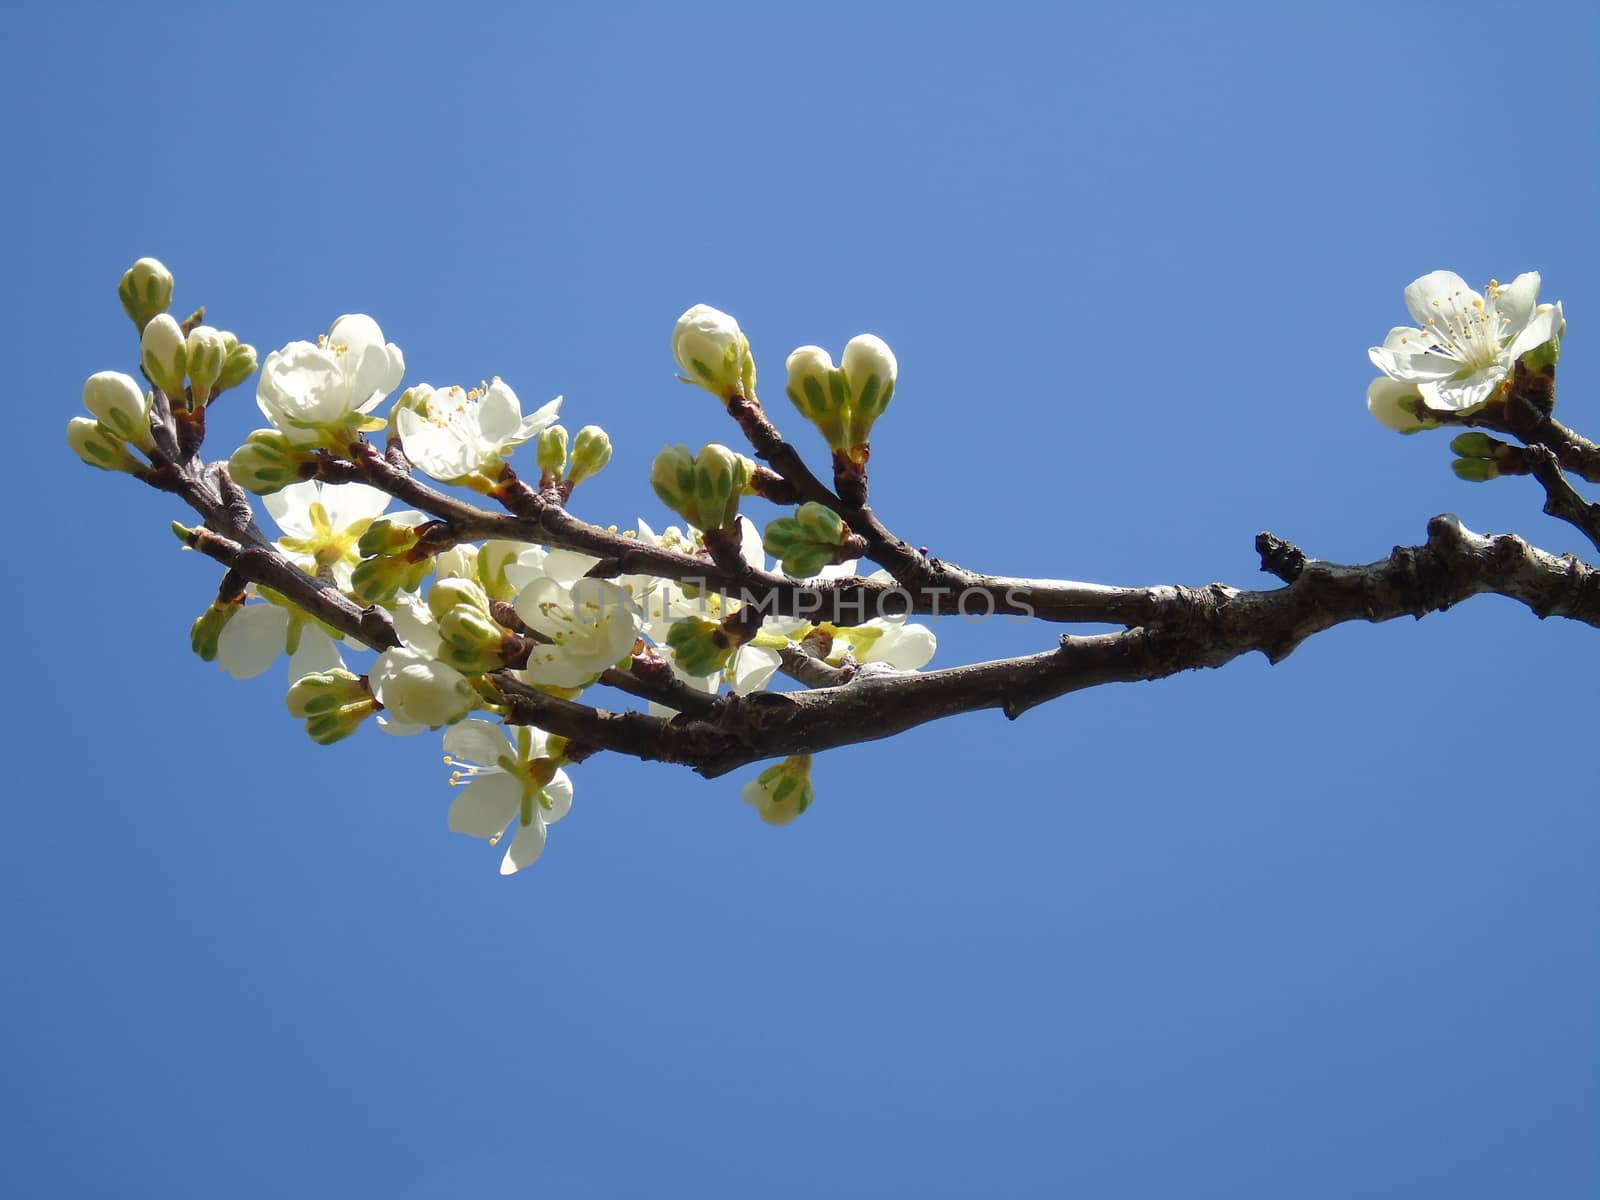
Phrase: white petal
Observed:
(539, 420)
(347, 503)
(567, 566)
(1544, 327)
(476, 741)
(525, 848)
(1384, 397)
(906, 648)
(558, 792)
(486, 806)
(1436, 287)
(499, 414)
(750, 548)
(315, 653)
(291, 507)
(751, 667)
(1517, 301)
(1464, 395)
(252, 640)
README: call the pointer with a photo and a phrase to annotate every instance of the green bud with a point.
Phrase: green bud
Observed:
(313, 695)
(163, 352)
(870, 371)
(208, 627)
(1475, 470)
(550, 452)
(471, 641)
(267, 462)
(720, 476)
(807, 541)
(386, 536)
(782, 792)
(591, 451)
(339, 723)
(99, 447)
(145, 291)
(672, 479)
(1475, 445)
(206, 351)
(818, 389)
(238, 364)
(121, 406)
(699, 646)
(448, 593)
(380, 578)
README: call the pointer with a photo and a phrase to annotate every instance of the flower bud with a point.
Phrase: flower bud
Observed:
(699, 646)
(386, 536)
(99, 447)
(145, 291)
(782, 792)
(591, 451)
(550, 452)
(208, 627)
(332, 703)
(163, 353)
(1475, 445)
(448, 593)
(807, 541)
(324, 692)
(267, 462)
(712, 350)
(120, 405)
(206, 352)
(238, 364)
(382, 577)
(720, 476)
(672, 478)
(1398, 405)
(818, 390)
(418, 690)
(870, 370)
(1475, 470)
(471, 640)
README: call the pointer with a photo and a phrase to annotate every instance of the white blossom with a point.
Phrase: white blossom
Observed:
(313, 391)
(591, 626)
(1464, 344)
(454, 434)
(505, 779)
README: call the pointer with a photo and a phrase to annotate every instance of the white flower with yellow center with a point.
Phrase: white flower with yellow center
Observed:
(1464, 344)
(321, 523)
(461, 436)
(319, 394)
(589, 626)
(507, 778)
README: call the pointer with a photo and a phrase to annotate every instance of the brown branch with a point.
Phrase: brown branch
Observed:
(943, 588)
(1561, 500)
(1201, 627)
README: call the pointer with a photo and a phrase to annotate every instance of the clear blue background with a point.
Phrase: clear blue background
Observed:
(1326, 929)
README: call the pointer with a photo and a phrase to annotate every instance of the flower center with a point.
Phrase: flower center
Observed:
(1467, 328)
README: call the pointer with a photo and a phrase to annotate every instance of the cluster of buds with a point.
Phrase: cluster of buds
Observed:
(807, 541)
(387, 567)
(1481, 458)
(590, 452)
(704, 489)
(471, 640)
(844, 402)
(331, 703)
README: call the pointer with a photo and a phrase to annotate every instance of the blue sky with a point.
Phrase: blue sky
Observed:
(1324, 929)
